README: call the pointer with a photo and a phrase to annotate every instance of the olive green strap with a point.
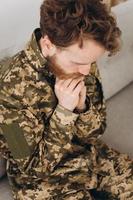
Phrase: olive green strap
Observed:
(16, 141)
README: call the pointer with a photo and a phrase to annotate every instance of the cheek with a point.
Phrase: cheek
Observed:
(65, 64)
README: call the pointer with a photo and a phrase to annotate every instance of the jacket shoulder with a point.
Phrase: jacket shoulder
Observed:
(20, 84)
(15, 73)
(8, 64)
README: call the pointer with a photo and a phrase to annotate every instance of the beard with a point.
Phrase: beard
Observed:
(58, 71)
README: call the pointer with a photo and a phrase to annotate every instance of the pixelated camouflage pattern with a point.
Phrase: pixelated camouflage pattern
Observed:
(67, 160)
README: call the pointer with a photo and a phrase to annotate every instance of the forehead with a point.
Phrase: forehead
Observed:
(91, 50)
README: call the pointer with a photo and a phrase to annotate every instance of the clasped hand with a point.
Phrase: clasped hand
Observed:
(71, 93)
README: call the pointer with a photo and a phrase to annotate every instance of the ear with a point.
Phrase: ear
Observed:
(47, 47)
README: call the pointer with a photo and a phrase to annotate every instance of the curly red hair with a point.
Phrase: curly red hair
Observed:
(67, 21)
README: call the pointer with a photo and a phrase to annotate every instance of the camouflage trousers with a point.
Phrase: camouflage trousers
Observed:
(112, 179)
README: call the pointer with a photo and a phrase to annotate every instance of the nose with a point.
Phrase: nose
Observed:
(84, 69)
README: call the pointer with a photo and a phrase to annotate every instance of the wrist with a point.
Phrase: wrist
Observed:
(65, 107)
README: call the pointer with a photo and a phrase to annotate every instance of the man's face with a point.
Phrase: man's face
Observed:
(72, 62)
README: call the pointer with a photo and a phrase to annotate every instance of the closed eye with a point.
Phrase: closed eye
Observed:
(83, 63)
(80, 63)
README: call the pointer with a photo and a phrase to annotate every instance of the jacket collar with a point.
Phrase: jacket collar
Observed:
(33, 52)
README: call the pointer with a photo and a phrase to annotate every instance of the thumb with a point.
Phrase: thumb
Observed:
(83, 91)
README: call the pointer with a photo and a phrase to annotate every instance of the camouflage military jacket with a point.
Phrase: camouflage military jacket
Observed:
(37, 136)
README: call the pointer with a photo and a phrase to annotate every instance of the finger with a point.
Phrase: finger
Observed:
(78, 88)
(66, 83)
(59, 81)
(83, 91)
(74, 83)
(83, 88)
(69, 82)
(83, 84)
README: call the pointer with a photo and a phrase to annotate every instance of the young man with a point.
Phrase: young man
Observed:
(53, 110)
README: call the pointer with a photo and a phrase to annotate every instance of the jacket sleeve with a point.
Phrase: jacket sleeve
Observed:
(91, 124)
(59, 135)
